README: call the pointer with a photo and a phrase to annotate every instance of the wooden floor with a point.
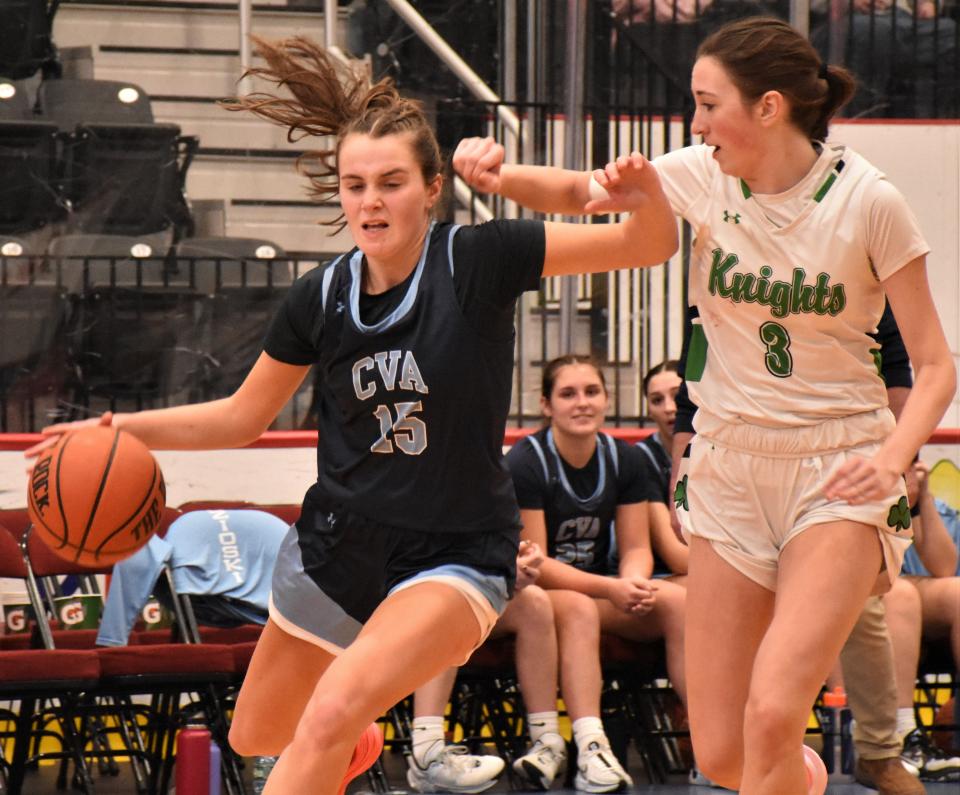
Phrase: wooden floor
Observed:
(43, 783)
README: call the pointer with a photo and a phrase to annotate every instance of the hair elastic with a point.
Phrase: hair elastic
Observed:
(822, 73)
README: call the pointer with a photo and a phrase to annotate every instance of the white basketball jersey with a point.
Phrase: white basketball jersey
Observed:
(787, 305)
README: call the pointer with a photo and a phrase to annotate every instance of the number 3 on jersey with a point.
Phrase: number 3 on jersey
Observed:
(778, 359)
(409, 433)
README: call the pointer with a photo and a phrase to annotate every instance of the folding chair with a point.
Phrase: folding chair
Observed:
(35, 676)
(167, 674)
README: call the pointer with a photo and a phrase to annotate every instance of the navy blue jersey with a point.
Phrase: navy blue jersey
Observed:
(414, 384)
(659, 457)
(579, 505)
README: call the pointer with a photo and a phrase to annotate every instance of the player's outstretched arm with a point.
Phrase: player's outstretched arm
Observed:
(233, 421)
(629, 184)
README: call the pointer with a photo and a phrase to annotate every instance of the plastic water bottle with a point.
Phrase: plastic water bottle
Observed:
(837, 751)
(193, 761)
(262, 765)
(215, 759)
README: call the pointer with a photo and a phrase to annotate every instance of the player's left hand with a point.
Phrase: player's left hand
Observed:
(858, 480)
(630, 181)
(529, 561)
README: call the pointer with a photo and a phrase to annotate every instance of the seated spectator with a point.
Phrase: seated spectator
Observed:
(661, 385)
(925, 604)
(225, 557)
(905, 55)
(435, 766)
(573, 483)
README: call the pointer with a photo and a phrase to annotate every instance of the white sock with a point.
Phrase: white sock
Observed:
(587, 729)
(906, 721)
(541, 723)
(428, 738)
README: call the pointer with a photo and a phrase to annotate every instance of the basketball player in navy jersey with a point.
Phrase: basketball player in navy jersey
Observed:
(661, 385)
(575, 487)
(404, 553)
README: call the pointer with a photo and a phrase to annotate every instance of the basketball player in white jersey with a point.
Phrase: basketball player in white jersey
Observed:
(792, 498)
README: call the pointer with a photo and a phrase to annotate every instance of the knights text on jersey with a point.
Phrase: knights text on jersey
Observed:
(413, 402)
(786, 307)
(579, 506)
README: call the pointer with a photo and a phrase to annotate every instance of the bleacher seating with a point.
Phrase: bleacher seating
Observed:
(135, 321)
(28, 195)
(26, 44)
(121, 172)
(247, 278)
(14, 103)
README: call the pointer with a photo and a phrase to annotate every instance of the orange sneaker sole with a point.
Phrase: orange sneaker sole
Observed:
(816, 771)
(364, 755)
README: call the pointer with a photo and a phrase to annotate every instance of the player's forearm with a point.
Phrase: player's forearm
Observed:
(935, 547)
(557, 575)
(545, 189)
(636, 563)
(200, 426)
(933, 389)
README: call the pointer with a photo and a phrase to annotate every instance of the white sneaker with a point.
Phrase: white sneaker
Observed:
(541, 765)
(599, 771)
(454, 770)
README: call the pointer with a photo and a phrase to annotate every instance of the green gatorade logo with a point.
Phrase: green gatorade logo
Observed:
(795, 297)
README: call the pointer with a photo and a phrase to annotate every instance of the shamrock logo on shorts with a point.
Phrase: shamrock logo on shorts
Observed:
(680, 494)
(899, 516)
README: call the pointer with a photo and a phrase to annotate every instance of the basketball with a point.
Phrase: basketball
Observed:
(96, 496)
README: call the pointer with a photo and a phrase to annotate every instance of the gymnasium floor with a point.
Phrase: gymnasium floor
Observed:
(43, 783)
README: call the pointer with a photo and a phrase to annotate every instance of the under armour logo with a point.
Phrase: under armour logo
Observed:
(899, 516)
(680, 494)
(728, 217)
(339, 307)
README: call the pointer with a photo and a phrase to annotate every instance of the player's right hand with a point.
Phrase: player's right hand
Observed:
(631, 594)
(52, 433)
(478, 161)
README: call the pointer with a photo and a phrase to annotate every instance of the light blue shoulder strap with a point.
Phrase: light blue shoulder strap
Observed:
(327, 278)
(614, 455)
(538, 449)
(450, 236)
(649, 453)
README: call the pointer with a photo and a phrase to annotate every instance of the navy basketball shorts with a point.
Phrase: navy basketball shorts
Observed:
(328, 580)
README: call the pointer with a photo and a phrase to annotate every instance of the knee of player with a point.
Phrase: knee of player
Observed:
(327, 719)
(535, 607)
(769, 721)
(903, 599)
(672, 603)
(248, 738)
(721, 764)
(577, 612)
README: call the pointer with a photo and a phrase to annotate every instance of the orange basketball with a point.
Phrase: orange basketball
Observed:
(96, 496)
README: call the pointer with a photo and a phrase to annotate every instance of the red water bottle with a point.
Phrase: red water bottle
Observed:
(193, 761)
